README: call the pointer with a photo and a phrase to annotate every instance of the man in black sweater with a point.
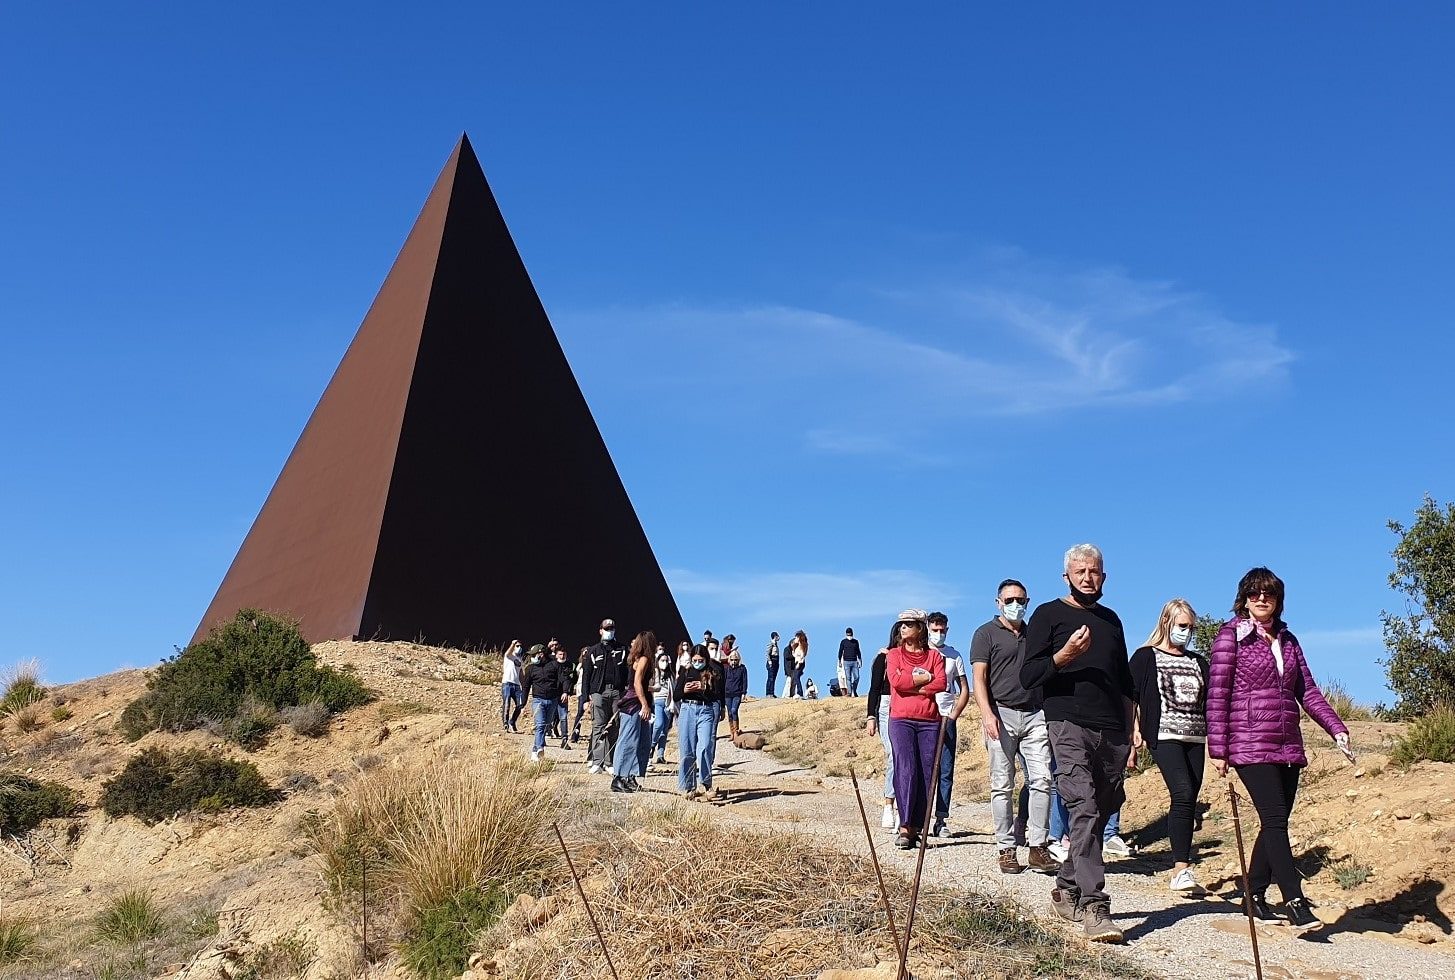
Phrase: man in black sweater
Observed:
(546, 681)
(1076, 654)
(603, 678)
(849, 658)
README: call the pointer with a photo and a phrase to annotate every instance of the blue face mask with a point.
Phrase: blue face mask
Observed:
(1014, 610)
(699, 664)
(608, 634)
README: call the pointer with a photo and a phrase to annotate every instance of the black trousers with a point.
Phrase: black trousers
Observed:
(1272, 789)
(772, 678)
(1181, 766)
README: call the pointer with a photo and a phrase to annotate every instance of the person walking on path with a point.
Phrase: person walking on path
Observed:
(512, 700)
(634, 709)
(914, 673)
(1076, 654)
(771, 665)
(878, 723)
(1171, 687)
(849, 662)
(1259, 666)
(663, 707)
(1014, 727)
(698, 693)
(545, 685)
(603, 675)
(951, 702)
(560, 656)
(734, 689)
(794, 659)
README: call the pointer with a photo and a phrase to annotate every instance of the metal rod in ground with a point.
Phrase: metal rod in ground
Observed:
(1247, 890)
(931, 792)
(582, 892)
(873, 854)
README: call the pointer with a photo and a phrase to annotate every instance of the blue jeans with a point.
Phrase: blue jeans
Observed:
(734, 702)
(888, 749)
(661, 726)
(1061, 817)
(772, 668)
(696, 726)
(512, 700)
(947, 773)
(851, 677)
(632, 745)
(544, 710)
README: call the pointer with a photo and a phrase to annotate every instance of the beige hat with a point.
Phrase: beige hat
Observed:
(912, 615)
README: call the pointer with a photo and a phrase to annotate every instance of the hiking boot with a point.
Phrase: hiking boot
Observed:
(1096, 920)
(1040, 859)
(1063, 903)
(889, 820)
(1116, 847)
(1299, 915)
(620, 786)
(1185, 884)
(1009, 863)
(710, 793)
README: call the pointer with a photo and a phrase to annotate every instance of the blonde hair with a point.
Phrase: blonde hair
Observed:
(1163, 632)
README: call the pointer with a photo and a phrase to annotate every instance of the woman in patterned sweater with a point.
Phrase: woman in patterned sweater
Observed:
(1171, 692)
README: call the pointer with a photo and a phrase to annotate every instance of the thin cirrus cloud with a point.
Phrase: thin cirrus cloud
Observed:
(777, 599)
(1002, 336)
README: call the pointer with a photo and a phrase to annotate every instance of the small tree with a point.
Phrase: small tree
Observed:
(1421, 641)
(1204, 631)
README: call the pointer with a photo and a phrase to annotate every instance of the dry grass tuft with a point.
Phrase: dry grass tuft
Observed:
(676, 896)
(1343, 702)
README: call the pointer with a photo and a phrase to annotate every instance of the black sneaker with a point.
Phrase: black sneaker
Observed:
(632, 784)
(618, 786)
(1299, 915)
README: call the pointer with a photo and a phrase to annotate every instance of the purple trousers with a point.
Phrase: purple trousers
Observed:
(913, 745)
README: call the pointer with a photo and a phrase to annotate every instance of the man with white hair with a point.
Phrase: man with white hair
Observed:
(1076, 654)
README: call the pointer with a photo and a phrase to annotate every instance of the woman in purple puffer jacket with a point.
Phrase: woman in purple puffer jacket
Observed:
(1259, 678)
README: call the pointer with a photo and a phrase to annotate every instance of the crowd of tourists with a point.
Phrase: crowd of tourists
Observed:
(1058, 695)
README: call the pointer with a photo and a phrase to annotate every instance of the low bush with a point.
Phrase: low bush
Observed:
(310, 720)
(130, 918)
(22, 687)
(232, 677)
(282, 959)
(27, 719)
(438, 944)
(158, 784)
(1343, 702)
(25, 802)
(18, 941)
(61, 713)
(1431, 737)
(1351, 873)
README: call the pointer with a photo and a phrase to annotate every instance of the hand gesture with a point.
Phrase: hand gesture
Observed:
(1078, 644)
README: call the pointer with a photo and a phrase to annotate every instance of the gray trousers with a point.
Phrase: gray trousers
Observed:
(603, 730)
(1090, 767)
(1022, 733)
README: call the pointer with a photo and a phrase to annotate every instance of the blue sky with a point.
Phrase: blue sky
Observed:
(921, 296)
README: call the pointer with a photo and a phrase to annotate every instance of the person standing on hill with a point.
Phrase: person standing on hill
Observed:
(545, 685)
(795, 657)
(1171, 685)
(849, 662)
(603, 676)
(662, 705)
(1014, 727)
(1076, 655)
(698, 693)
(734, 689)
(1259, 666)
(772, 664)
(951, 702)
(878, 724)
(914, 673)
(634, 713)
(561, 727)
(511, 698)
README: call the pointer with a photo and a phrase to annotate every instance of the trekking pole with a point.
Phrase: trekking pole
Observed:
(1247, 890)
(582, 892)
(931, 793)
(883, 891)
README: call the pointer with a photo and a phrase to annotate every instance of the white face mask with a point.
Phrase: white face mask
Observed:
(1181, 635)
(608, 634)
(937, 638)
(1014, 610)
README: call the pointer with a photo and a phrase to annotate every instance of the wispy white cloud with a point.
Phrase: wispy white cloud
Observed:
(778, 598)
(1357, 638)
(1003, 336)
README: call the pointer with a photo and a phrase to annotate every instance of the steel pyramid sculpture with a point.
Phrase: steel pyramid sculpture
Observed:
(451, 485)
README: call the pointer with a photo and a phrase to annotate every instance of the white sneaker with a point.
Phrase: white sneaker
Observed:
(535, 755)
(1184, 882)
(610, 771)
(1058, 850)
(593, 768)
(889, 821)
(1116, 846)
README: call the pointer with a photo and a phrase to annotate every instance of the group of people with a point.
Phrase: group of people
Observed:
(636, 692)
(1058, 692)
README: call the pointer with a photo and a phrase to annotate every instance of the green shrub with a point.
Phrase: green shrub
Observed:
(1351, 873)
(255, 659)
(61, 713)
(22, 688)
(1431, 737)
(438, 944)
(18, 941)
(130, 918)
(25, 802)
(158, 784)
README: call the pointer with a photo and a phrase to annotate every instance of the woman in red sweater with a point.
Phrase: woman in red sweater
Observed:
(914, 673)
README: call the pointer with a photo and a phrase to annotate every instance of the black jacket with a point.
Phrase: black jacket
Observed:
(603, 667)
(547, 679)
(849, 649)
(877, 688)
(1149, 692)
(709, 674)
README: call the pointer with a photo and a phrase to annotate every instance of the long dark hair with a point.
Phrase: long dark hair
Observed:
(1258, 579)
(645, 645)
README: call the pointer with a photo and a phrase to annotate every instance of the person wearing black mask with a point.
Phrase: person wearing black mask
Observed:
(1076, 656)
(545, 687)
(603, 677)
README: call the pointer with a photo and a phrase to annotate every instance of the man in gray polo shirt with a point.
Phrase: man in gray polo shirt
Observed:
(1014, 726)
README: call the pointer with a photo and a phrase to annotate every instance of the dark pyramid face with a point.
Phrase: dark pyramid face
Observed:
(452, 484)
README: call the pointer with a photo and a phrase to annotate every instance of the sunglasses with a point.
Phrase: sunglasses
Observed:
(1263, 595)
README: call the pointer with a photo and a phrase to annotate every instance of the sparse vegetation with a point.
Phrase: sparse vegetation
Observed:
(1351, 873)
(130, 918)
(61, 713)
(25, 802)
(309, 720)
(1342, 702)
(438, 944)
(27, 719)
(1430, 737)
(282, 959)
(236, 678)
(22, 687)
(158, 784)
(18, 941)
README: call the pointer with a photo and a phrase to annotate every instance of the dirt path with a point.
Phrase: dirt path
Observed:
(1172, 936)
